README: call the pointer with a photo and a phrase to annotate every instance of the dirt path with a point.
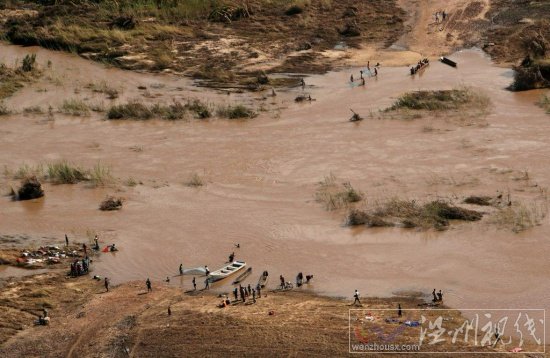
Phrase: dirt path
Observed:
(430, 38)
(424, 37)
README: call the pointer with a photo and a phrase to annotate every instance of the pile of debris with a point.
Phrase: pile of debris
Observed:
(49, 254)
(30, 189)
(111, 203)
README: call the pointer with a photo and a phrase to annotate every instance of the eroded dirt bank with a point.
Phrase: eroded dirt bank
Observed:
(129, 321)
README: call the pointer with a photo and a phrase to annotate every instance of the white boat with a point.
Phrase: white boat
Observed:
(226, 271)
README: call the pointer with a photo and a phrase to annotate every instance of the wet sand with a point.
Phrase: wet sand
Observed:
(261, 178)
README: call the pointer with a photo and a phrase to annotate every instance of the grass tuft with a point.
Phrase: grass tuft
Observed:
(238, 111)
(440, 100)
(103, 87)
(33, 110)
(65, 173)
(171, 112)
(407, 213)
(334, 195)
(75, 107)
(200, 109)
(194, 181)
(100, 175)
(131, 110)
(519, 217)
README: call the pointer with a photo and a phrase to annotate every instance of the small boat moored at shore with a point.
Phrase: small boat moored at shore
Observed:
(263, 279)
(226, 271)
(446, 61)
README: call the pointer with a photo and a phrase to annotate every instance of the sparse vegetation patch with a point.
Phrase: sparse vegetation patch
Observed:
(440, 100)
(335, 195)
(195, 180)
(75, 107)
(238, 111)
(13, 78)
(519, 216)
(407, 213)
(64, 172)
(103, 87)
(131, 110)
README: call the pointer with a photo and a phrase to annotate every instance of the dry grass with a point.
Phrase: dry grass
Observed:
(132, 110)
(237, 111)
(103, 87)
(65, 172)
(479, 200)
(100, 175)
(200, 109)
(408, 213)
(441, 100)
(131, 182)
(195, 180)
(75, 107)
(521, 216)
(33, 110)
(139, 111)
(13, 78)
(335, 195)
(135, 110)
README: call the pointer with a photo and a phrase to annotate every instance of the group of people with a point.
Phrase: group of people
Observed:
(372, 73)
(299, 281)
(242, 294)
(80, 267)
(420, 65)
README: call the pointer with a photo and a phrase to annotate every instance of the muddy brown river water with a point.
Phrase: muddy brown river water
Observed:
(262, 175)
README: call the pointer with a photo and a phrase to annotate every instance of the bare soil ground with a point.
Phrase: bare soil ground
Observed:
(221, 50)
(87, 321)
